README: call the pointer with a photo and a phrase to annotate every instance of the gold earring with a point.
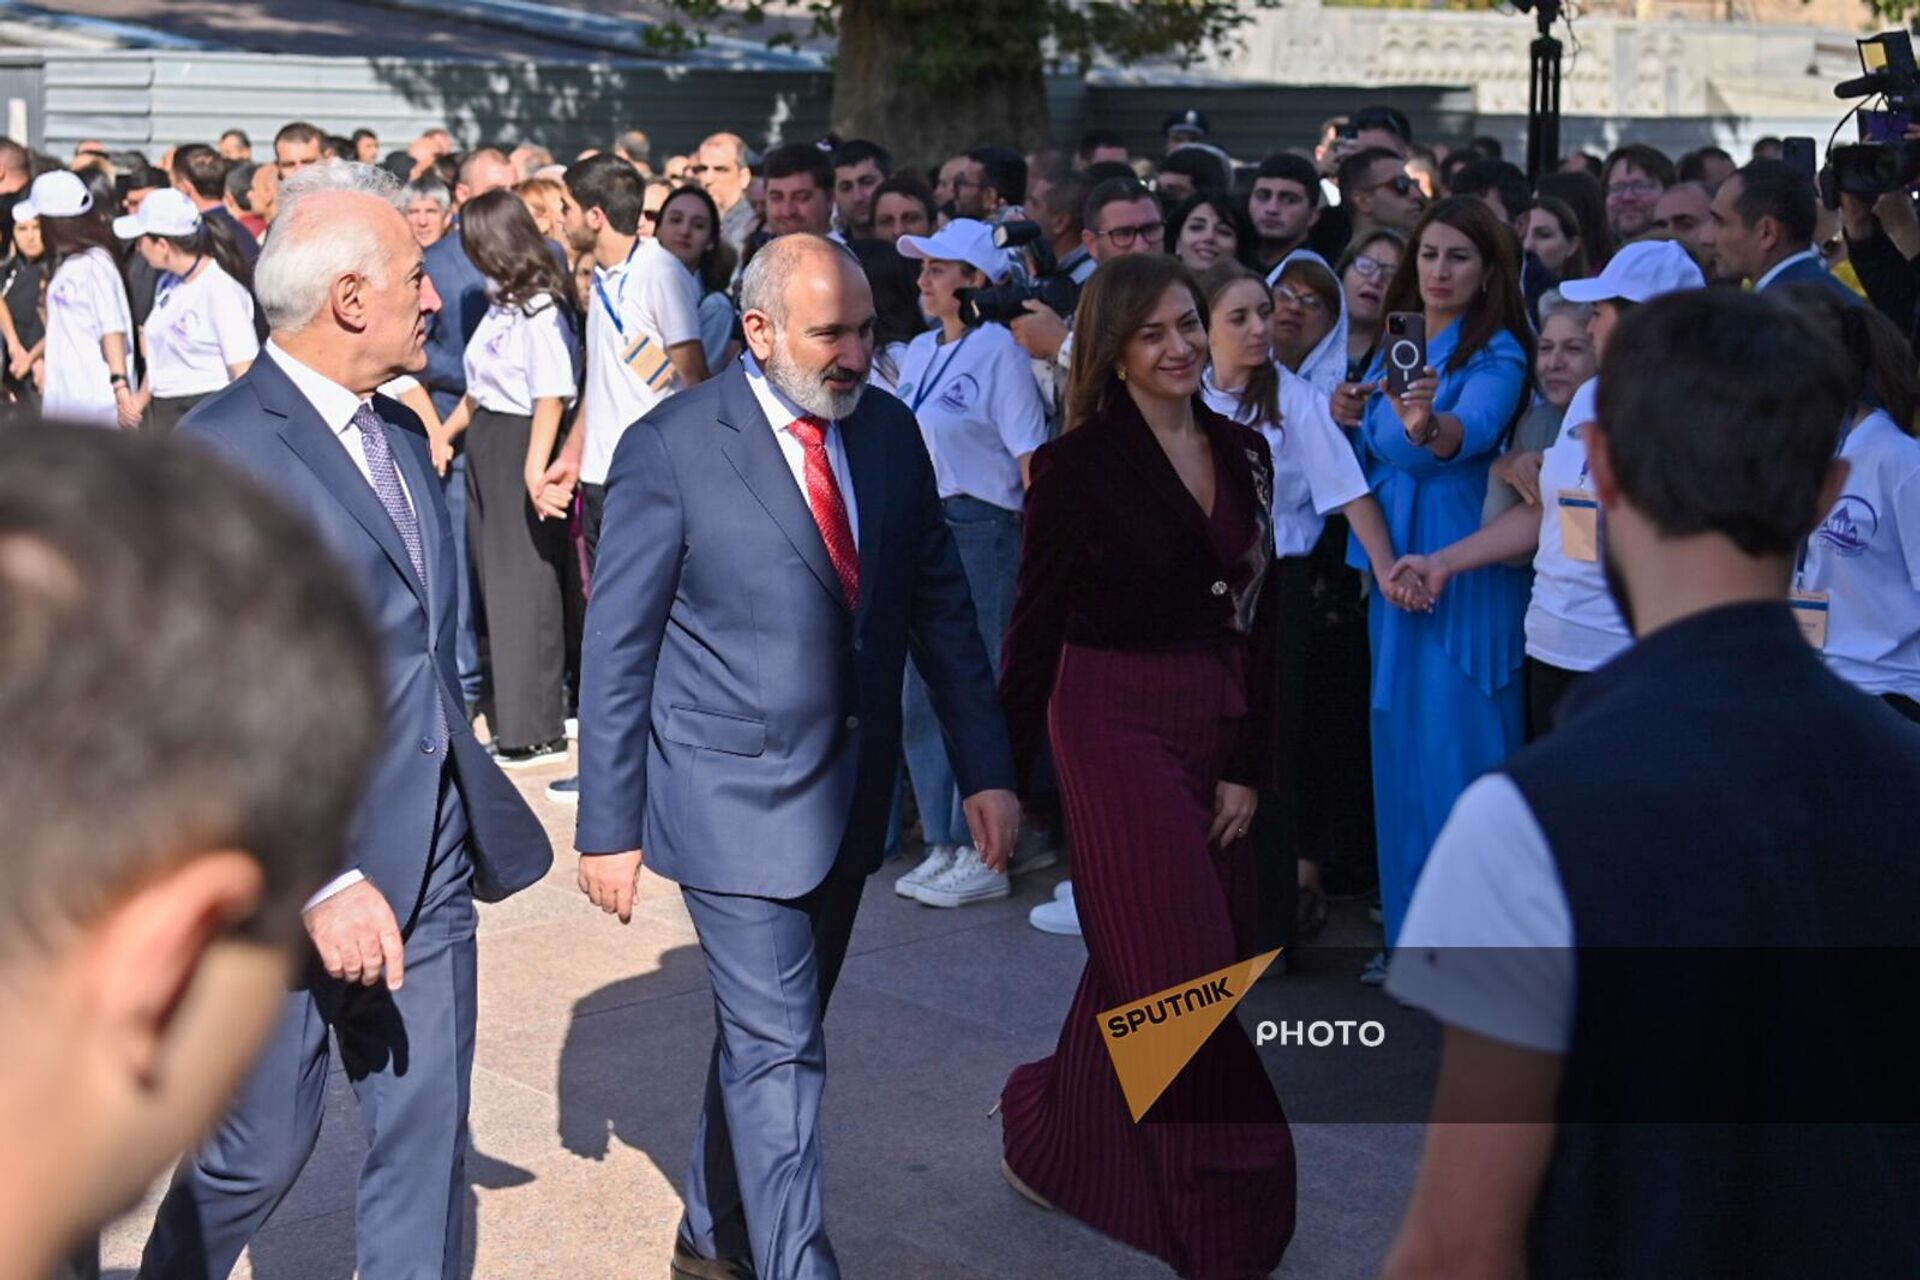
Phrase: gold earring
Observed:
(1123, 375)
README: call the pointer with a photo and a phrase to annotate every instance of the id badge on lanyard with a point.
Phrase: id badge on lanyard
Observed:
(1811, 609)
(1580, 525)
(646, 358)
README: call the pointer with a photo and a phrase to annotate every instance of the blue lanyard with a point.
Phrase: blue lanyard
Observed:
(599, 287)
(926, 388)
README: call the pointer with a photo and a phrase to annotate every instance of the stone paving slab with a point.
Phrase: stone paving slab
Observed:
(591, 1059)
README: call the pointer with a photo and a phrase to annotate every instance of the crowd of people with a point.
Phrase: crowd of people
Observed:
(1259, 513)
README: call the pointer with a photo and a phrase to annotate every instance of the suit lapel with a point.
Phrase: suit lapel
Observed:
(864, 440)
(755, 455)
(317, 446)
(1133, 439)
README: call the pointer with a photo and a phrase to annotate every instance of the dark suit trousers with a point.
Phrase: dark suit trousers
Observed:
(755, 1184)
(409, 1057)
(521, 562)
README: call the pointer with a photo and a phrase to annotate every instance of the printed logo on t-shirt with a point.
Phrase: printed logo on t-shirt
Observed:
(62, 293)
(961, 394)
(497, 343)
(1850, 526)
(184, 324)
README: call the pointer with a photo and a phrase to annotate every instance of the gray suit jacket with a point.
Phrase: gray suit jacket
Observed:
(738, 722)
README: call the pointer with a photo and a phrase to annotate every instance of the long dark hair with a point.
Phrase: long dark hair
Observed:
(1577, 266)
(1880, 364)
(1581, 193)
(1245, 238)
(1260, 402)
(501, 237)
(1118, 299)
(215, 240)
(1499, 305)
(708, 268)
(68, 238)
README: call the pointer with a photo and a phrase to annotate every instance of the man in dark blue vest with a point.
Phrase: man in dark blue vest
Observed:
(1666, 934)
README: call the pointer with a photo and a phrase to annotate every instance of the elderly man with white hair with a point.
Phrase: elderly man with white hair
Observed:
(391, 972)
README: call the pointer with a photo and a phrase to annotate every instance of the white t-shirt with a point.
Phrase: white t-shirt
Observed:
(1487, 944)
(1866, 556)
(651, 295)
(1315, 470)
(1572, 623)
(196, 330)
(514, 359)
(85, 301)
(979, 411)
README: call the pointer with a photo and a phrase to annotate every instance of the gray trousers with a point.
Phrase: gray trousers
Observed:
(755, 1182)
(520, 560)
(409, 1057)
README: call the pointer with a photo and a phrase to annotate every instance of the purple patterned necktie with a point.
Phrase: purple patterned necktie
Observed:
(386, 485)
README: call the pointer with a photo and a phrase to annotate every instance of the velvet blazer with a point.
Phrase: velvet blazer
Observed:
(1119, 556)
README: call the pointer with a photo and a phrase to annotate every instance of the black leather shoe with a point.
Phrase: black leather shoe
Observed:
(688, 1265)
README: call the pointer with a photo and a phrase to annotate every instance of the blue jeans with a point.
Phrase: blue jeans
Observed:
(989, 541)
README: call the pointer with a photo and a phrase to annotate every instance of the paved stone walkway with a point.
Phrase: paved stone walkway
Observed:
(592, 1051)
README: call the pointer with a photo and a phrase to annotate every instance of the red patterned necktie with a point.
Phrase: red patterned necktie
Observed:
(829, 509)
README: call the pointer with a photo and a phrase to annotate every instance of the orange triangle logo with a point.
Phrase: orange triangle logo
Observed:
(1152, 1039)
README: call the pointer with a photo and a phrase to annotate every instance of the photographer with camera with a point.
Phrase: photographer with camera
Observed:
(982, 416)
(1761, 229)
(1121, 217)
(1057, 207)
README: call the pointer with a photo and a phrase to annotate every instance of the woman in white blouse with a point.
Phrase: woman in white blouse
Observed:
(523, 369)
(688, 225)
(972, 390)
(89, 342)
(1315, 473)
(200, 334)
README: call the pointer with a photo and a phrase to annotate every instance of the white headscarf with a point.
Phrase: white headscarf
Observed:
(1326, 365)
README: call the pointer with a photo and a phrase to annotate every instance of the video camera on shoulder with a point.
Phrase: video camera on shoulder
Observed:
(1005, 303)
(1883, 161)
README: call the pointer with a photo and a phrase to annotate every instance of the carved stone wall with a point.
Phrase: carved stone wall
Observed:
(1615, 66)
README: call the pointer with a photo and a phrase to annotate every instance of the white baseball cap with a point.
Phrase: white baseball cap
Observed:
(1640, 272)
(165, 212)
(57, 194)
(965, 240)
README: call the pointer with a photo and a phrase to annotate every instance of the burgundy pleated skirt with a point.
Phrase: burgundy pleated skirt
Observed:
(1205, 1181)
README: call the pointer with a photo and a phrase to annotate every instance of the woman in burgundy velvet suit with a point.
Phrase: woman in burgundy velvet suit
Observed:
(1142, 641)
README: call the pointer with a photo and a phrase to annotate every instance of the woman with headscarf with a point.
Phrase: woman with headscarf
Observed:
(1309, 319)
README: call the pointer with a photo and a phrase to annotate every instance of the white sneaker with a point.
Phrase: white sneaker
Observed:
(1032, 851)
(969, 879)
(1059, 917)
(939, 858)
(1063, 892)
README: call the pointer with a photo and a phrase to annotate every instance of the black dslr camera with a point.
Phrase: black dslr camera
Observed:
(1005, 303)
(1885, 161)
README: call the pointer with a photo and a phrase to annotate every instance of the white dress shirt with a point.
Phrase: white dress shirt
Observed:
(781, 414)
(336, 406)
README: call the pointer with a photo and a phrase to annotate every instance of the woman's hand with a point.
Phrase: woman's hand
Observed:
(1413, 576)
(550, 501)
(1521, 469)
(1350, 402)
(1233, 807)
(1404, 583)
(1415, 407)
(127, 404)
(20, 364)
(442, 448)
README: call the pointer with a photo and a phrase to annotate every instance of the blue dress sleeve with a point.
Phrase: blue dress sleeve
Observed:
(1486, 395)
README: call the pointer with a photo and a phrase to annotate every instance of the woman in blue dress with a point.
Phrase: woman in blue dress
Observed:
(1447, 702)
